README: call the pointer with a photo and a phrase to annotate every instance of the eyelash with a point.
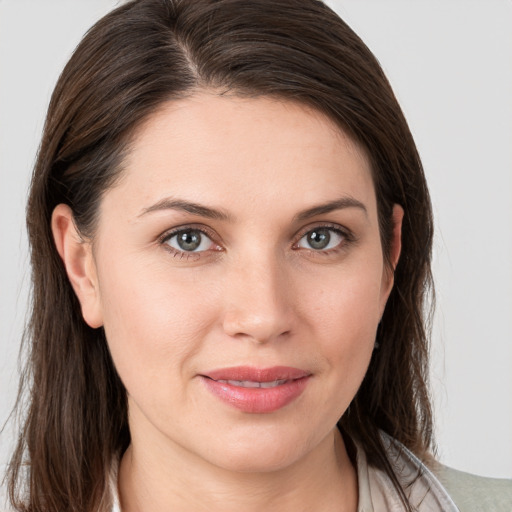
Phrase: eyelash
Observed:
(168, 235)
(345, 234)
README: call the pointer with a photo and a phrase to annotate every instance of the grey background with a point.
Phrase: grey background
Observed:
(450, 63)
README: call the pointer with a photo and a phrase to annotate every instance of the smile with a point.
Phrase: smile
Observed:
(257, 391)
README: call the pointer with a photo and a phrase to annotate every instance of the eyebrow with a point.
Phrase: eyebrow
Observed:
(337, 204)
(169, 203)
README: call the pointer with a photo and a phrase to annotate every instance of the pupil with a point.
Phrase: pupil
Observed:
(189, 240)
(319, 239)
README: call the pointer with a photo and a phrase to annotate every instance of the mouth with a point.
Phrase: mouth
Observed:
(254, 384)
(257, 390)
(252, 374)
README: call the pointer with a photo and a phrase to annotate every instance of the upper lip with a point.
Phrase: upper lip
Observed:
(250, 373)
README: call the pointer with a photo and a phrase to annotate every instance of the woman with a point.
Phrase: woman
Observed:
(199, 338)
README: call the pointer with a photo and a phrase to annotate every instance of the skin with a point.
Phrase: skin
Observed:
(256, 293)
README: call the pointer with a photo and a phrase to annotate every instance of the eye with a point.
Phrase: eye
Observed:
(189, 240)
(321, 239)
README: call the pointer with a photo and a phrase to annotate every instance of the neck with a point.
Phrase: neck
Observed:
(151, 480)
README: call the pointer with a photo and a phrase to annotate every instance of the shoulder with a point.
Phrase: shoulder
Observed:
(475, 493)
(465, 492)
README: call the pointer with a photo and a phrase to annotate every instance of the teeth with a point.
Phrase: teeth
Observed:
(272, 384)
(253, 384)
(244, 383)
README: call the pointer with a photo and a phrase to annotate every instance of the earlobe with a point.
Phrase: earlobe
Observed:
(78, 260)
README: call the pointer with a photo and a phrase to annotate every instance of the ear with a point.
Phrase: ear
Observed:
(396, 241)
(394, 254)
(78, 260)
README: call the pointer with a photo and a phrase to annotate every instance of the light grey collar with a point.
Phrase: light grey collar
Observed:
(422, 488)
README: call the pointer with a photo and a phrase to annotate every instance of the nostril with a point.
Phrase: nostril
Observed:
(258, 328)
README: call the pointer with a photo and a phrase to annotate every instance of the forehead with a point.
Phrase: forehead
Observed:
(217, 149)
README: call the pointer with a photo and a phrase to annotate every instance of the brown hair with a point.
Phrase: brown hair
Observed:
(140, 55)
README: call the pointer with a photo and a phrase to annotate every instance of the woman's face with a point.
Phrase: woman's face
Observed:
(240, 247)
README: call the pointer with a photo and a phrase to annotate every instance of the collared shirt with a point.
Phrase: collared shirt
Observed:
(376, 490)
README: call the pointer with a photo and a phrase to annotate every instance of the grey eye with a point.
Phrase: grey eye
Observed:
(189, 240)
(321, 239)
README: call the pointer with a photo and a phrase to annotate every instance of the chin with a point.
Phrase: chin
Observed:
(260, 451)
(266, 460)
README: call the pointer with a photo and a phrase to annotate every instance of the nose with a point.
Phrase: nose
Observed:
(258, 302)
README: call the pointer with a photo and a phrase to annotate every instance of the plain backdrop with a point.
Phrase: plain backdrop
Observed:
(450, 63)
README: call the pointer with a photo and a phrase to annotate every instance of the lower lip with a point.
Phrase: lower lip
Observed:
(257, 400)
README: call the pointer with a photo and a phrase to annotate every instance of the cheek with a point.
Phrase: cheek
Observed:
(154, 321)
(345, 314)
(347, 304)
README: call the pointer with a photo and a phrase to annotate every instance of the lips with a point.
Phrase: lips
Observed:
(257, 390)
